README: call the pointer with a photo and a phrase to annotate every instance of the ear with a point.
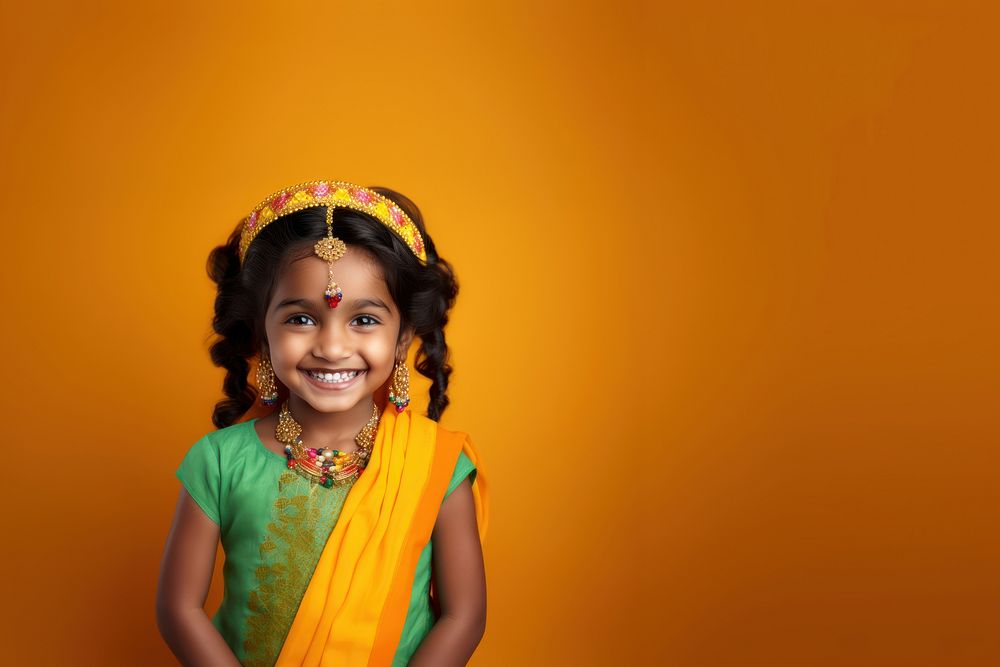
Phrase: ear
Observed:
(405, 338)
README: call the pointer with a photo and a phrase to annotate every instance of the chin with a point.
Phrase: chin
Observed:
(340, 404)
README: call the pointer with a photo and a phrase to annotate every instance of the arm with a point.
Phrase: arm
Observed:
(460, 580)
(185, 576)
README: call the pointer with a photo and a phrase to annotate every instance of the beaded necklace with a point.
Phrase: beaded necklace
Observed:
(325, 466)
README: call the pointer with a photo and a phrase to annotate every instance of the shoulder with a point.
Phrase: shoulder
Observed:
(455, 450)
(457, 438)
(446, 439)
(230, 437)
(239, 431)
(223, 443)
(463, 465)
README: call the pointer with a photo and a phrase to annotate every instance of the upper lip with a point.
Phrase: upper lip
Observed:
(333, 370)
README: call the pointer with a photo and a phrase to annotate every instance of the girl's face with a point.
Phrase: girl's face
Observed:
(305, 336)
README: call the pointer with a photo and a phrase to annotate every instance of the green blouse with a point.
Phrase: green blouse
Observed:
(274, 525)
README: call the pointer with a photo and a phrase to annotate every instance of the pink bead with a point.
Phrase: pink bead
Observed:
(397, 215)
(321, 190)
(278, 202)
(253, 220)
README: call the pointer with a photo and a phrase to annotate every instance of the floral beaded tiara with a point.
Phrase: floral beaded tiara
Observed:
(332, 194)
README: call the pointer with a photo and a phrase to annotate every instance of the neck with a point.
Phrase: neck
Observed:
(334, 430)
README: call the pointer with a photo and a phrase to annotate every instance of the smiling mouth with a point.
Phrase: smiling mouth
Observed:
(335, 378)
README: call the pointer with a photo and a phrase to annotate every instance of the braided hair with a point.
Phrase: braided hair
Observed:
(423, 293)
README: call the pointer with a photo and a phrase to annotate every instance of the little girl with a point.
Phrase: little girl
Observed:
(352, 523)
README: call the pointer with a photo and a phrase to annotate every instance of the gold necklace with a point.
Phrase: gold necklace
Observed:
(321, 465)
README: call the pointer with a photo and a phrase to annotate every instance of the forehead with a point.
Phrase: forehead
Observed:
(306, 275)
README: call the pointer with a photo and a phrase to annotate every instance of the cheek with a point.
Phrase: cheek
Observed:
(381, 354)
(384, 354)
(286, 349)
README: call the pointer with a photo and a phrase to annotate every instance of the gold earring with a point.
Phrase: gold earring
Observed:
(265, 382)
(399, 390)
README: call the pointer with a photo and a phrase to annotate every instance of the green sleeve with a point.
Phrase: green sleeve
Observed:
(463, 468)
(200, 474)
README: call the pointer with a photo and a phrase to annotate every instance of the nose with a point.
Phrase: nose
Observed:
(332, 342)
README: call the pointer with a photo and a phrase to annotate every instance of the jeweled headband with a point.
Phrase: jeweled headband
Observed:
(332, 194)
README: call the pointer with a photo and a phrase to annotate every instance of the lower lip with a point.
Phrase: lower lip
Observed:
(329, 386)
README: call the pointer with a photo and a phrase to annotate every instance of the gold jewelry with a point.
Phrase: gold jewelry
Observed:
(330, 249)
(321, 465)
(399, 390)
(265, 382)
(335, 194)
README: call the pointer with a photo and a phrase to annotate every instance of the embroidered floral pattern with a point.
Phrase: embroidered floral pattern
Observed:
(303, 516)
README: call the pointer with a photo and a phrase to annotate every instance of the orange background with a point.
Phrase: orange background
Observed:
(726, 335)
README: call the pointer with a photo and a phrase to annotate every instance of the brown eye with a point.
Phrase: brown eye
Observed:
(297, 319)
(369, 321)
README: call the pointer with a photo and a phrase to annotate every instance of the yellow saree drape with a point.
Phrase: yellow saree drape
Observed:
(355, 606)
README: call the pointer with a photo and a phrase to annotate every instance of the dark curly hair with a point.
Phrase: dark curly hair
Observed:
(423, 293)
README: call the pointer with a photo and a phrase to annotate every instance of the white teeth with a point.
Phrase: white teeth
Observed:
(334, 377)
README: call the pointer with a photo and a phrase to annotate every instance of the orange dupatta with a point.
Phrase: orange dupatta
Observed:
(355, 606)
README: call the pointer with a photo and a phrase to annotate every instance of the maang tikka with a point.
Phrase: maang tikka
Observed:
(330, 249)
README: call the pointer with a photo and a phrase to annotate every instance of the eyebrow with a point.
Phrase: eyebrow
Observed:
(357, 303)
(294, 302)
(374, 303)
